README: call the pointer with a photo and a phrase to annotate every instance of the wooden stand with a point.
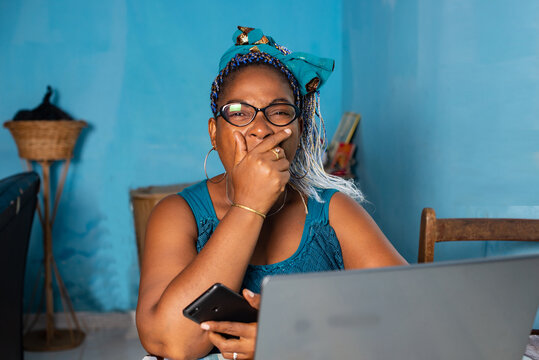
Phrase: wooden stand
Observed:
(51, 338)
(45, 142)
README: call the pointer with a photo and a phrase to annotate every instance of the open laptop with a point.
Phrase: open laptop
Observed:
(481, 309)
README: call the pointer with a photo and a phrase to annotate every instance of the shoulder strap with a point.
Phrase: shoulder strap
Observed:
(198, 199)
(319, 211)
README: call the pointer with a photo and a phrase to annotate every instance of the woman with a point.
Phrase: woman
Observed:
(273, 211)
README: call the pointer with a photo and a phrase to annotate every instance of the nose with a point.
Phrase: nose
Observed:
(260, 127)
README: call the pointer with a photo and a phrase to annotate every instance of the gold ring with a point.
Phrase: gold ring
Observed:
(276, 153)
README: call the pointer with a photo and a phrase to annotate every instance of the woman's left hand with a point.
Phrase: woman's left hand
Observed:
(244, 345)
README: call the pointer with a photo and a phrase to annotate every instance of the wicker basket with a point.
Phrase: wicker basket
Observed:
(45, 139)
(143, 201)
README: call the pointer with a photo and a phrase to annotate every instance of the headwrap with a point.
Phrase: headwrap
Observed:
(310, 71)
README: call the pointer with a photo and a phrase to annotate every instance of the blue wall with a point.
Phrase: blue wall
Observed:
(449, 94)
(140, 73)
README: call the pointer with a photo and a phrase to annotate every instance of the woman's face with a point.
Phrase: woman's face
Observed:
(259, 86)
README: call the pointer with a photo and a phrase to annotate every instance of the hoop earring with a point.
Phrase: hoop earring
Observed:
(206, 173)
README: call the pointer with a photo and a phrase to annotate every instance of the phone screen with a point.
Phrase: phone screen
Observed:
(220, 303)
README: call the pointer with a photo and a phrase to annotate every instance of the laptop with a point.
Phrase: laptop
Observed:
(480, 309)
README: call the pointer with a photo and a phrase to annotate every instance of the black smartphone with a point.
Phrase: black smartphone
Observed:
(220, 303)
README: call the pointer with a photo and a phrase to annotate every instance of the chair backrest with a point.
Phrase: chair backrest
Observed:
(435, 230)
(18, 198)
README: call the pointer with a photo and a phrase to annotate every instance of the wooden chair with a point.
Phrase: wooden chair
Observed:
(479, 229)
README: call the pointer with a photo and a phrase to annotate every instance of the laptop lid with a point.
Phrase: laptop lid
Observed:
(480, 309)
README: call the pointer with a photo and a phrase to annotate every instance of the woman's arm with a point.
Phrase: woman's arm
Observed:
(173, 275)
(363, 244)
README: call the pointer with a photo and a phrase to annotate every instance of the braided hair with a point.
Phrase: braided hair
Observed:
(306, 170)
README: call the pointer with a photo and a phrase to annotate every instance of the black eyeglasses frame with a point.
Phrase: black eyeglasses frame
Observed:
(257, 110)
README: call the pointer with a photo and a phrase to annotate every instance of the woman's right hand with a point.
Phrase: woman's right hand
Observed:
(244, 344)
(258, 176)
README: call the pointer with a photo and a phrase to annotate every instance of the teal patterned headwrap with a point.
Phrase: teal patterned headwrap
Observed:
(310, 71)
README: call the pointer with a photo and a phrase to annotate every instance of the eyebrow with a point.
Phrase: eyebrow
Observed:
(278, 100)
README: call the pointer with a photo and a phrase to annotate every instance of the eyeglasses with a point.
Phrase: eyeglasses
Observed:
(242, 114)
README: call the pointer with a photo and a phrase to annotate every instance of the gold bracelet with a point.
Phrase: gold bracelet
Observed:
(249, 209)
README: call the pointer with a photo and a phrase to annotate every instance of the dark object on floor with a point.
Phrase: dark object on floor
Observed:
(45, 111)
(18, 196)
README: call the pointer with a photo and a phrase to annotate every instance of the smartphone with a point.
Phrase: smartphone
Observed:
(220, 303)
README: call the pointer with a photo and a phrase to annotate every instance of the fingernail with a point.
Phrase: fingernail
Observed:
(205, 326)
(250, 293)
(288, 131)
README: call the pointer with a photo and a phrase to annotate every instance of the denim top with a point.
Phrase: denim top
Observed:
(319, 249)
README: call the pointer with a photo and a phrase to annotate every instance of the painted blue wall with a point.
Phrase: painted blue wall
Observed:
(449, 94)
(140, 73)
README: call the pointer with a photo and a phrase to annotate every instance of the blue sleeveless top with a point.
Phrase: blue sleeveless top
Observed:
(319, 249)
